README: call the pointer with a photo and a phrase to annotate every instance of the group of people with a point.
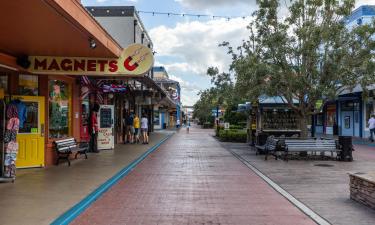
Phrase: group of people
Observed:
(134, 127)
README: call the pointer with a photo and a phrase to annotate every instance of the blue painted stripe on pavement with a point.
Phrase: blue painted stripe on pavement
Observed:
(77, 209)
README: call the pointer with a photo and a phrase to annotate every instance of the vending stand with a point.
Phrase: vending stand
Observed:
(273, 116)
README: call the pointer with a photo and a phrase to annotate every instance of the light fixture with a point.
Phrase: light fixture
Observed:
(92, 43)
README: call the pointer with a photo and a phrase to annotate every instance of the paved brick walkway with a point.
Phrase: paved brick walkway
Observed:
(323, 189)
(191, 179)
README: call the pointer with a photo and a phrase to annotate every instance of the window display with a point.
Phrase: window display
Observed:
(4, 82)
(28, 85)
(331, 115)
(279, 119)
(59, 109)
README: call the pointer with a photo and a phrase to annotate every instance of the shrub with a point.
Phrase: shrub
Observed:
(236, 127)
(208, 125)
(232, 135)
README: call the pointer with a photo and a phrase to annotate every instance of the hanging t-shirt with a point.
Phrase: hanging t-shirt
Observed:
(22, 111)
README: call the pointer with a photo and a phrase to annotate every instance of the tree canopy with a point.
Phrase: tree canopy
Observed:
(309, 55)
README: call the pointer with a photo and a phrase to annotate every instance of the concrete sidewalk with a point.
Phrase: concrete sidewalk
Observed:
(191, 179)
(321, 185)
(41, 195)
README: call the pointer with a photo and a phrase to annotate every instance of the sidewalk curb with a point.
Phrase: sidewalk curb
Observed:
(301, 206)
(80, 207)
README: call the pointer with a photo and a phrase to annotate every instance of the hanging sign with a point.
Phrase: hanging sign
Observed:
(136, 60)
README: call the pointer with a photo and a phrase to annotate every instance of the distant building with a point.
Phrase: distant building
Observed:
(169, 115)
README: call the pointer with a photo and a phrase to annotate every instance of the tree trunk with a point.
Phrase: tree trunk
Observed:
(303, 121)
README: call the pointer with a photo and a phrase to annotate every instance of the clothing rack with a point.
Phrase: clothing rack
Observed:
(3, 179)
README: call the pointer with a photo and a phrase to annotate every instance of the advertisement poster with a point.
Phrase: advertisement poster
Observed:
(105, 122)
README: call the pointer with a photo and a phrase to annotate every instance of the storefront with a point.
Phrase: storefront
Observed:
(325, 122)
(350, 115)
(274, 117)
(48, 89)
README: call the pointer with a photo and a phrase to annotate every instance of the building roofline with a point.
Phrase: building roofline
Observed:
(118, 11)
(363, 10)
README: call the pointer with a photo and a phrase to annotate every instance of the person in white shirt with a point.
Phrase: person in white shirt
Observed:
(144, 128)
(371, 126)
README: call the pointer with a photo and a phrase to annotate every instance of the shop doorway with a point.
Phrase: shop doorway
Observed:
(31, 136)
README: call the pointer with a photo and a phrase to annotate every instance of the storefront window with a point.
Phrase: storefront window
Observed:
(30, 125)
(59, 109)
(331, 115)
(319, 120)
(28, 85)
(4, 82)
(156, 117)
(370, 109)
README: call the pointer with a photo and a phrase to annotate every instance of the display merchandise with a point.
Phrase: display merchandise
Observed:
(279, 119)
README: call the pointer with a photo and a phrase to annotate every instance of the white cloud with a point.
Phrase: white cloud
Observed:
(364, 2)
(195, 43)
(204, 4)
(194, 47)
(102, 1)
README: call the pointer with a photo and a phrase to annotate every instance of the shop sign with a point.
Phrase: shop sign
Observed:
(136, 60)
(318, 105)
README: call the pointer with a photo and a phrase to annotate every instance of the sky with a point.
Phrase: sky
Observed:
(187, 46)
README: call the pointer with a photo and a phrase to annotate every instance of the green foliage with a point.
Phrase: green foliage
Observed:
(233, 117)
(232, 135)
(236, 127)
(308, 56)
(208, 125)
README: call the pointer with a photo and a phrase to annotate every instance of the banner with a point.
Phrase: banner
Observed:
(135, 60)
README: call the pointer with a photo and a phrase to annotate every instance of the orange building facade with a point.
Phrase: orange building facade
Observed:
(53, 102)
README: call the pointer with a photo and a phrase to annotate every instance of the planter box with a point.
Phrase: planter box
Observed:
(362, 188)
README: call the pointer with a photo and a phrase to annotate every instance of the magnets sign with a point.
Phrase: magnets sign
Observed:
(135, 60)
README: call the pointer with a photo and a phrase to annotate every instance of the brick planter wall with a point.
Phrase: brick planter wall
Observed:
(362, 188)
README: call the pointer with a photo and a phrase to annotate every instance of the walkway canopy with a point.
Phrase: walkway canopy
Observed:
(51, 28)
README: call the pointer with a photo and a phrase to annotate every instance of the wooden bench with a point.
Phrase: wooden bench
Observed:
(310, 145)
(66, 147)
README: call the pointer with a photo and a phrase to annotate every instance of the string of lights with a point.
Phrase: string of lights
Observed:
(154, 13)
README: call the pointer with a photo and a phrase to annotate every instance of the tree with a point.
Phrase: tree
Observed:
(222, 94)
(308, 56)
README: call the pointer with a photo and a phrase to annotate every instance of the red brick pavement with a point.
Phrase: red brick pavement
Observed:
(190, 179)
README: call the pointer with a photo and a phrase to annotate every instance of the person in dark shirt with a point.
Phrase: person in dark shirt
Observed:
(94, 129)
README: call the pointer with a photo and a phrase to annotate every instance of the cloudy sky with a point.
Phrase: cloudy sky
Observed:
(187, 46)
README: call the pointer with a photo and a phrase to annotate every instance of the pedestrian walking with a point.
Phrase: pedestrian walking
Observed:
(188, 127)
(371, 126)
(94, 129)
(144, 128)
(136, 125)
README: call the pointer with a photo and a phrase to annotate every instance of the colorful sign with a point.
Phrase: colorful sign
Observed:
(105, 121)
(136, 60)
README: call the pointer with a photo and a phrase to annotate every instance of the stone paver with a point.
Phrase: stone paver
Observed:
(41, 195)
(323, 189)
(191, 179)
